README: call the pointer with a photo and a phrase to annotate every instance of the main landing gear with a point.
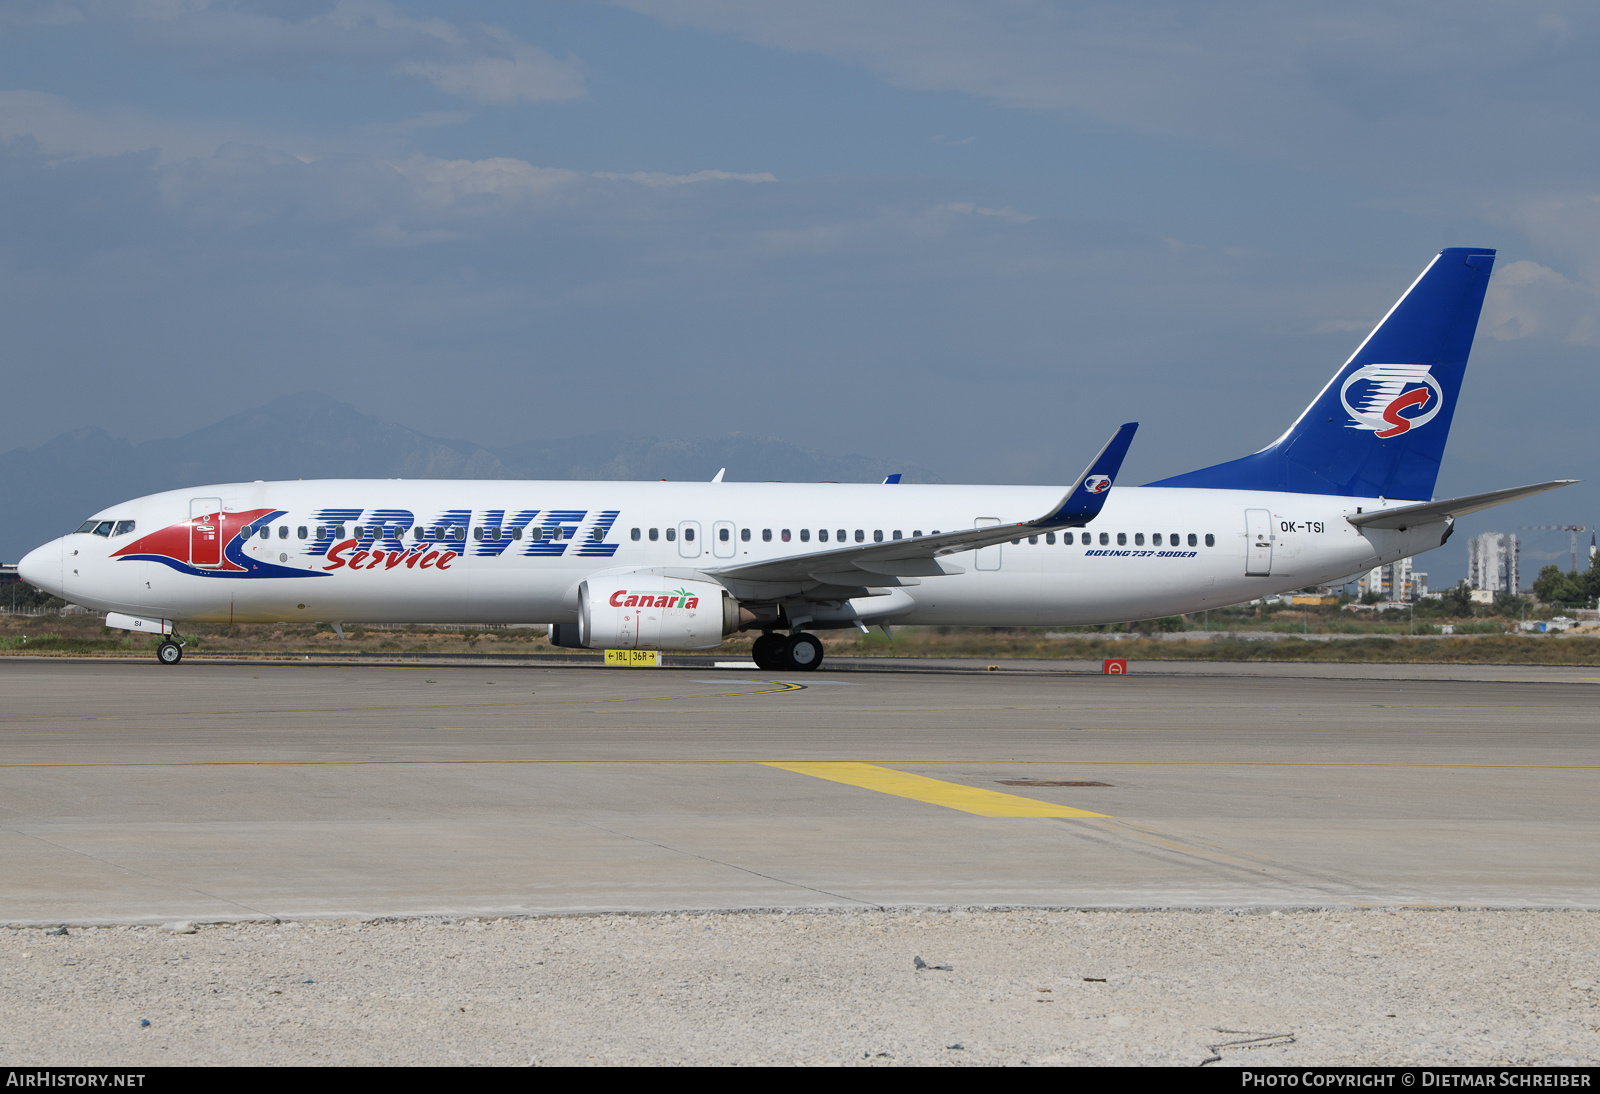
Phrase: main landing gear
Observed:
(787, 652)
(169, 652)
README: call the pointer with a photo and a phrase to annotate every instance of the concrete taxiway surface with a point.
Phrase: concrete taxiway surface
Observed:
(135, 792)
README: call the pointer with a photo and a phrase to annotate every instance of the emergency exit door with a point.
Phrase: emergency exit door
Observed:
(205, 531)
(1258, 542)
(986, 558)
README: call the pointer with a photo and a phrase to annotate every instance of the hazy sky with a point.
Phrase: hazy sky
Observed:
(979, 234)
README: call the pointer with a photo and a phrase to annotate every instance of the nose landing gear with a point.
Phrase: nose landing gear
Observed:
(787, 653)
(169, 652)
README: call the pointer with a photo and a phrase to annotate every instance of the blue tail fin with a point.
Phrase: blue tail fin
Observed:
(1378, 429)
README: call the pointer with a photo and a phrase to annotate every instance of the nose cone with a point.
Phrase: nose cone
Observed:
(41, 567)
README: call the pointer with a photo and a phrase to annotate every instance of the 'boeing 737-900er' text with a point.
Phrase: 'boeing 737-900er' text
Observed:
(676, 566)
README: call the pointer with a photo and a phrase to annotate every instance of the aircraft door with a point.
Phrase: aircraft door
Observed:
(722, 541)
(689, 538)
(205, 531)
(986, 558)
(1258, 542)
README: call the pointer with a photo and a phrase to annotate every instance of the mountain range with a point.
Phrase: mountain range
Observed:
(49, 490)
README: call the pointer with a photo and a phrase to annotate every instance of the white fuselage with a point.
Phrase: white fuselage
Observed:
(1151, 551)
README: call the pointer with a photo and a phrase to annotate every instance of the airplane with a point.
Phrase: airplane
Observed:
(683, 566)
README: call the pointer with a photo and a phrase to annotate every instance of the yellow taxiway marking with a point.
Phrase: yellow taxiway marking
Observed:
(903, 784)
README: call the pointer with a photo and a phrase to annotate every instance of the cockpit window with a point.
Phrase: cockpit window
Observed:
(123, 528)
(86, 526)
(103, 528)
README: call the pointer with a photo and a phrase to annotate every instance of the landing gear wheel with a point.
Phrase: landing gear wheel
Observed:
(169, 653)
(767, 652)
(803, 652)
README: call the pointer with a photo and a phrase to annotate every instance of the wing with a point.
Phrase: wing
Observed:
(903, 561)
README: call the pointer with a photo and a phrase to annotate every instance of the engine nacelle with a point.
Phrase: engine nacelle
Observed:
(647, 612)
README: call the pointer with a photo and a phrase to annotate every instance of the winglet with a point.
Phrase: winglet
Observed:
(892, 479)
(1088, 497)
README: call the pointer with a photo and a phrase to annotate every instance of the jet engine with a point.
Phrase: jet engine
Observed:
(648, 612)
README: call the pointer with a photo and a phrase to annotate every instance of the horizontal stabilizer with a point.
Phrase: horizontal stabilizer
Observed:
(1428, 512)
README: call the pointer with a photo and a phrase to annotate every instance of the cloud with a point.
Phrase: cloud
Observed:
(659, 180)
(62, 129)
(428, 119)
(1367, 89)
(1526, 299)
(467, 60)
(1008, 215)
(510, 71)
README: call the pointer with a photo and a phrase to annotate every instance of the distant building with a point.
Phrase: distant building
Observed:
(1492, 563)
(1394, 581)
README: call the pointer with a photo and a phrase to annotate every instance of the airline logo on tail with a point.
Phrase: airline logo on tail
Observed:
(1377, 397)
(1097, 484)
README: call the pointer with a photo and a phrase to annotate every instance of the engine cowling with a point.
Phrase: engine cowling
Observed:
(647, 612)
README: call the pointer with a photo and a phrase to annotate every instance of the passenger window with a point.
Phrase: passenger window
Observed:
(1173, 539)
(1049, 537)
(1122, 539)
(1015, 542)
(494, 535)
(1033, 539)
(861, 536)
(339, 531)
(653, 535)
(1105, 538)
(301, 532)
(123, 528)
(897, 534)
(1193, 542)
(784, 535)
(805, 535)
(917, 534)
(1138, 539)
(877, 535)
(688, 535)
(1155, 540)
(822, 535)
(1066, 537)
(516, 533)
(1211, 540)
(934, 532)
(842, 535)
(724, 535)
(283, 531)
(672, 534)
(103, 528)
(597, 534)
(266, 533)
(477, 534)
(744, 534)
(322, 531)
(634, 535)
(766, 535)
